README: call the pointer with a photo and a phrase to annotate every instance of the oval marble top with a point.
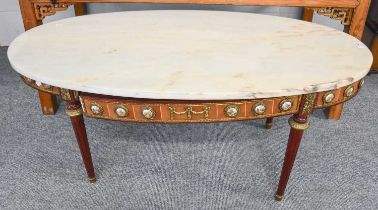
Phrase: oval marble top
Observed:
(194, 55)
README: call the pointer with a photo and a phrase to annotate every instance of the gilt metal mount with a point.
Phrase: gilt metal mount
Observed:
(46, 9)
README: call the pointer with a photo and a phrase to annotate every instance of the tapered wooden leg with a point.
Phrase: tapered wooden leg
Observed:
(298, 125)
(74, 111)
(48, 102)
(334, 112)
(269, 123)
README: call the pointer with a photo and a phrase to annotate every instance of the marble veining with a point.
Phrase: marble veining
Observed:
(199, 55)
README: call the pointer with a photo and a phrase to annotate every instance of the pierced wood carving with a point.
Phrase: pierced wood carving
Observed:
(46, 9)
(342, 14)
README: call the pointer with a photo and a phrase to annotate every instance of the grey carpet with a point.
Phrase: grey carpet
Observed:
(186, 166)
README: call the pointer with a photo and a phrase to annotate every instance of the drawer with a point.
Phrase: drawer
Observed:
(176, 111)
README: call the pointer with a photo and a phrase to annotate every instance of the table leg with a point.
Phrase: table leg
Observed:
(48, 103)
(80, 9)
(269, 123)
(308, 14)
(334, 112)
(298, 124)
(74, 111)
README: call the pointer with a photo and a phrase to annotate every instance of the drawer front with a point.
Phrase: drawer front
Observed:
(176, 111)
(186, 111)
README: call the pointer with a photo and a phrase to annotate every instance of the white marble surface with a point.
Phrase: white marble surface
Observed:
(189, 55)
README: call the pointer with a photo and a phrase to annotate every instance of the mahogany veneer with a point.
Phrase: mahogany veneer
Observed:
(216, 109)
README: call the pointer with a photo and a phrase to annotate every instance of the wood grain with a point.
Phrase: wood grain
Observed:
(306, 3)
(28, 14)
(356, 29)
(48, 101)
(78, 126)
(374, 50)
(308, 14)
(357, 26)
(295, 137)
(80, 9)
(216, 112)
(294, 141)
(334, 112)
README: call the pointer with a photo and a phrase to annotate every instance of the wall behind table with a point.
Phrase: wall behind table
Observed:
(290, 12)
(11, 21)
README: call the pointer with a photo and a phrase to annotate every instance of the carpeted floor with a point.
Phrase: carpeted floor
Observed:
(187, 166)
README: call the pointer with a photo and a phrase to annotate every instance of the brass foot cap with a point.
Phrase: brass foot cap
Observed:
(92, 180)
(278, 197)
(268, 125)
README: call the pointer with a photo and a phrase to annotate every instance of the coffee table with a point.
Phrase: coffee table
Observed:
(191, 67)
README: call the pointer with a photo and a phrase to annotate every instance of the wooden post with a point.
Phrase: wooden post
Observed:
(360, 14)
(48, 101)
(356, 29)
(298, 123)
(308, 14)
(74, 111)
(334, 112)
(80, 9)
(269, 123)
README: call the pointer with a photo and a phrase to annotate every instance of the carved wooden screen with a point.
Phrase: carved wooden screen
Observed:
(350, 12)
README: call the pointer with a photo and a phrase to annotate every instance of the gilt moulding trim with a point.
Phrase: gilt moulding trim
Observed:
(343, 14)
(46, 9)
(308, 103)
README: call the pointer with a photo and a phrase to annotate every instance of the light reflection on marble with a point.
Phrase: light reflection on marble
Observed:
(199, 55)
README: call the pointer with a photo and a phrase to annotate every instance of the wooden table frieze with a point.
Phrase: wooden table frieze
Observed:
(173, 111)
